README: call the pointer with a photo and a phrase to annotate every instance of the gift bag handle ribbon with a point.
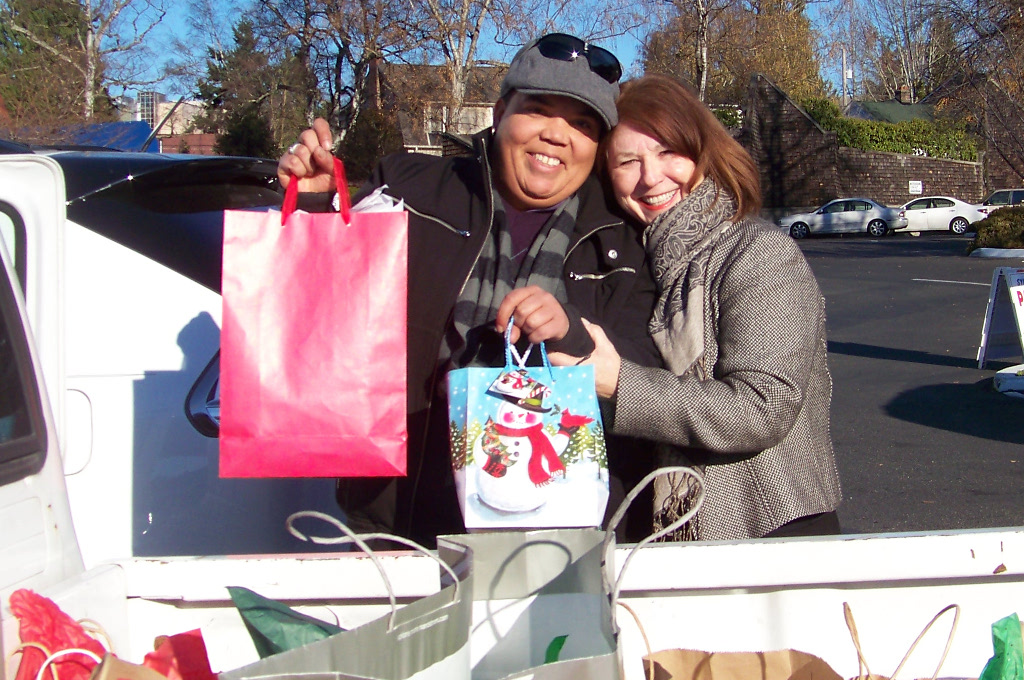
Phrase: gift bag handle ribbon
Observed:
(864, 672)
(291, 194)
(511, 352)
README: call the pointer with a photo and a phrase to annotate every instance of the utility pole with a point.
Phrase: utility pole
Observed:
(846, 100)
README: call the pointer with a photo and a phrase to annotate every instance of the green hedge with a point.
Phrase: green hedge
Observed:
(1004, 228)
(943, 139)
(730, 117)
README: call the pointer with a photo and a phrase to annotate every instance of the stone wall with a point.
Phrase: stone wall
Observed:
(886, 177)
(803, 166)
(1004, 132)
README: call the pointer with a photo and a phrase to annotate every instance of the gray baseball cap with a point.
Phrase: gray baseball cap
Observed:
(569, 73)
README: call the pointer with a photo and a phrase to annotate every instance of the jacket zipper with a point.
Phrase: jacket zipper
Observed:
(460, 232)
(433, 380)
(580, 277)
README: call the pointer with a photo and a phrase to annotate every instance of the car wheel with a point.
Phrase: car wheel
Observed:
(878, 228)
(959, 225)
(799, 230)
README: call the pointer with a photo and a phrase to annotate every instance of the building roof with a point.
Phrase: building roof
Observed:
(414, 83)
(121, 135)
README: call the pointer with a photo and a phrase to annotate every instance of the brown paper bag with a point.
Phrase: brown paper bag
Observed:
(864, 672)
(112, 668)
(689, 664)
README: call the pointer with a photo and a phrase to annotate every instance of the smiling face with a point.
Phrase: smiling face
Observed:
(513, 416)
(647, 177)
(545, 146)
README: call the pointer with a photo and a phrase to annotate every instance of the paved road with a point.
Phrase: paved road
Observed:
(923, 441)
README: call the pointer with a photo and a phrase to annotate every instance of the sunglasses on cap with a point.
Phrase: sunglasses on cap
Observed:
(564, 47)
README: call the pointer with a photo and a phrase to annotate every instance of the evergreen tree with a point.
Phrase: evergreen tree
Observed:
(247, 134)
(41, 91)
(245, 97)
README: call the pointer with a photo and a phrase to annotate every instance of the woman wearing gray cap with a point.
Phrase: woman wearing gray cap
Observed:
(521, 225)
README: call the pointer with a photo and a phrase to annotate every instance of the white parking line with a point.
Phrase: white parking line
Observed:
(963, 283)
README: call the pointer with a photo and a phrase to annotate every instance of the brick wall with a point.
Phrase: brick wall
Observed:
(797, 159)
(199, 144)
(885, 177)
(802, 165)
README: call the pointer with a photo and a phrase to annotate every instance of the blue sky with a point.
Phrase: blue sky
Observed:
(626, 48)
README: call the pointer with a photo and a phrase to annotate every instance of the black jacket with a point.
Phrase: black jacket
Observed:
(450, 213)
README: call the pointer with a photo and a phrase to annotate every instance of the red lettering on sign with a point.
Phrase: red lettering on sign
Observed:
(1020, 298)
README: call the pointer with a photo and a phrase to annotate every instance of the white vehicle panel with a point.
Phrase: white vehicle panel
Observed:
(33, 186)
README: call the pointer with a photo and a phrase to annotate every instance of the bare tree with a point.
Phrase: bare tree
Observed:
(362, 34)
(207, 31)
(455, 28)
(988, 90)
(111, 40)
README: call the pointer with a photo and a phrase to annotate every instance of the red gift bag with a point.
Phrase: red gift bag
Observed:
(313, 342)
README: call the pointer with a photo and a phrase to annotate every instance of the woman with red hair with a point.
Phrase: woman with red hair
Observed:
(740, 323)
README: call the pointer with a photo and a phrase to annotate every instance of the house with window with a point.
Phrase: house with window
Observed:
(429, 120)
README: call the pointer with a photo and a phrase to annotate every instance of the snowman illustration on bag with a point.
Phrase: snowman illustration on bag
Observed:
(518, 459)
(527, 443)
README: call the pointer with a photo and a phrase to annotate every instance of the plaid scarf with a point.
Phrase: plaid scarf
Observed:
(471, 339)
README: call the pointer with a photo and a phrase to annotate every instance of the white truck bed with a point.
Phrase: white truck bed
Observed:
(746, 596)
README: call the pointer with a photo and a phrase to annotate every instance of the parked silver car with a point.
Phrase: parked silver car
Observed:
(941, 213)
(846, 215)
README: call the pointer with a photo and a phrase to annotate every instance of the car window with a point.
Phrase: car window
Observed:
(1018, 197)
(920, 204)
(22, 428)
(838, 206)
(179, 204)
(998, 198)
(860, 205)
(12, 233)
(942, 203)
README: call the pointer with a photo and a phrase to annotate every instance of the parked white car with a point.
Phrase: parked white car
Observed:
(846, 215)
(941, 213)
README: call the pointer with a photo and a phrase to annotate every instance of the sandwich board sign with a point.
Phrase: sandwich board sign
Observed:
(1002, 335)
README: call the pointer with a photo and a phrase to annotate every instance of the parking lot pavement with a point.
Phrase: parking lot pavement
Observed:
(923, 440)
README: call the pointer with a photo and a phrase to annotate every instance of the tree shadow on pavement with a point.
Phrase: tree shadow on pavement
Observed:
(858, 349)
(858, 246)
(974, 409)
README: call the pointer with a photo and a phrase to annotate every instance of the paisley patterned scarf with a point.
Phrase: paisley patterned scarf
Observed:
(679, 245)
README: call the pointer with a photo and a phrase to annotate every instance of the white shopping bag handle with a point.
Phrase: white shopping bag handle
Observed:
(609, 535)
(360, 541)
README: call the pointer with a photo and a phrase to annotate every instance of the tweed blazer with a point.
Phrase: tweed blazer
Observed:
(755, 411)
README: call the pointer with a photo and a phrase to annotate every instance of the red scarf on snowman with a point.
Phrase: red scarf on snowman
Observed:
(541, 452)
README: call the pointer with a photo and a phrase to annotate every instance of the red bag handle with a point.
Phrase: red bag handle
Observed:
(291, 194)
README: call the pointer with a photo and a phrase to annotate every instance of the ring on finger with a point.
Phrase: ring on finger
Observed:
(294, 147)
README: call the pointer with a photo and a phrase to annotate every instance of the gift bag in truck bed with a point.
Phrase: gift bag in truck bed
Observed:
(313, 344)
(527, 445)
(541, 606)
(426, 639)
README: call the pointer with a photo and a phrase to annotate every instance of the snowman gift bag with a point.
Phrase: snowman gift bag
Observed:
(527, 445)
